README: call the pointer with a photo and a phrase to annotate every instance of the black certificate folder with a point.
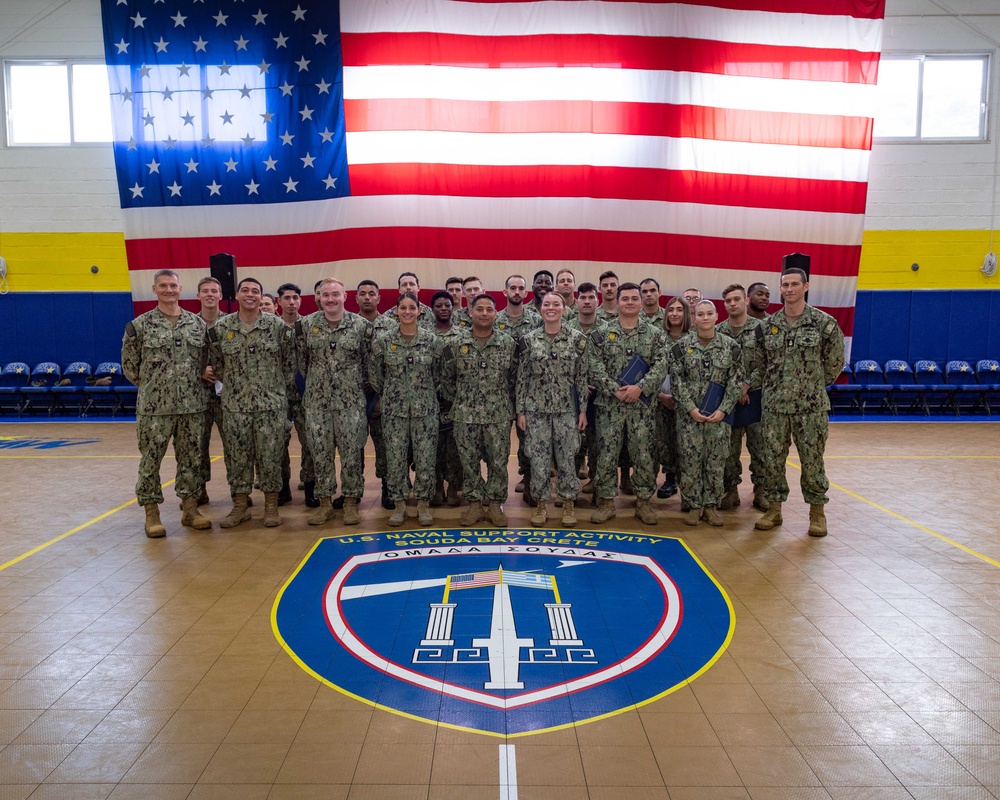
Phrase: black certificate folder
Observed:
(633, 374)
(749, 414)
(714, 395)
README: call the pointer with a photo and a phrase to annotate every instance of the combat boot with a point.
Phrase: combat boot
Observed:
(712, 517)
(310, 489)
(817, 520)
(338, 502)
(605, 510)
(759, 499)
(731, 499)
(154, 528)
(285, 495)
(438, 499)
(398, 516)
(387, 502)
(424, 516)
(771, 519)
(693, 516)
(645, 512)
(588, 487)
(541, 515)
(240, 512)
(324, 513)
(473, 513)
(192, 518)
(569, 513)
(626, 487)
(496, 515)
(271, 518)
(453, 499)
(351, 511)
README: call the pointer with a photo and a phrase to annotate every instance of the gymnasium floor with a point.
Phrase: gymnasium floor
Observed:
(863, 665)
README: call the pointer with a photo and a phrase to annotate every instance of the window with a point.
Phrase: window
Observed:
(932, 97)
(57, 102)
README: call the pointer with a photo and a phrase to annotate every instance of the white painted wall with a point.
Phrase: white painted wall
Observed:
(931, 186)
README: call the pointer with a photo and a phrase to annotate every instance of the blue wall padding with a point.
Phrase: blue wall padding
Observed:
(937, 324)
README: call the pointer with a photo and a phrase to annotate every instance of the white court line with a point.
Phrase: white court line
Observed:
(508, 773)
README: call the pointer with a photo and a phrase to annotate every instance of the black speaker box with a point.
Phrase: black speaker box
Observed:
(223, 268)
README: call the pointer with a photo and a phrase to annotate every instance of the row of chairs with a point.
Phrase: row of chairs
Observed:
(924, 388)
(75, 388)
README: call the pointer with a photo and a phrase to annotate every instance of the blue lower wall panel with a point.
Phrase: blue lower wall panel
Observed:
(936, 324)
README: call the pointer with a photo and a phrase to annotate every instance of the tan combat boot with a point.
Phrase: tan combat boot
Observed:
(192, 518)
(351, 516)
(541, 515)
(398, 516)
(497, 517)
(240, 512)
(452, 498)
(605, 510)
(712, 517)
(645, 512)
(473, 513)
(154, 528)
(693, 516)
(817, 520)
(324, 513)
(438, 499)
(731, 499)
(424, 516)
(771, 519)
(271, 518)
(759, 499)
(569, 513)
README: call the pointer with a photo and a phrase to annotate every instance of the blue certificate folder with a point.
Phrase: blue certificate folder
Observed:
(710, 403)
(750, 413)
(633, 374)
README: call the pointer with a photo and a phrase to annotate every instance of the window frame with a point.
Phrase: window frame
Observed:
(922, 57)
(68, 63)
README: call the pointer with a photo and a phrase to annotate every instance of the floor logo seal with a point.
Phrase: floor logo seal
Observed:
(504, 632)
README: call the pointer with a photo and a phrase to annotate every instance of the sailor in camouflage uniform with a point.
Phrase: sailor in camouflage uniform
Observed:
(209, 295)
(566, 287)
(449, 466)
(408, 282)
(703, 357)
(478, 377)
(405, 371)
(749, 334)
(164, 353)
(677, 318)
(367, 296)
(517, 319)
(551, 381)
(622, 410)
(332, 346)
(586, 321)
(252, 355)
(804, 351)
(649, 288)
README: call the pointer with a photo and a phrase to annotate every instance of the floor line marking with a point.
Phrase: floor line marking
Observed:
(909, 521)
(79, 528)
(508, 772)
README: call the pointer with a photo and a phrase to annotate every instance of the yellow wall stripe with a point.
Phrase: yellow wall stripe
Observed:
(948, 259)
(61, 262)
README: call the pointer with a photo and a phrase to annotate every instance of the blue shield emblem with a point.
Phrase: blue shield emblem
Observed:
(504, 632)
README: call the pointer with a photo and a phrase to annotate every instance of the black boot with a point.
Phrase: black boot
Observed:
(338, 502)
(285, 495)
(311, 499)
(387, 502)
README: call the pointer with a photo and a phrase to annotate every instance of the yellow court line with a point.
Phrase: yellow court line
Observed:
(79, 528)
(911, 457)
(909, 521)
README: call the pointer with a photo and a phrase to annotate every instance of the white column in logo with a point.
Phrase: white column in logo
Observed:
(561, 624)
(439, 622)
(503, 648)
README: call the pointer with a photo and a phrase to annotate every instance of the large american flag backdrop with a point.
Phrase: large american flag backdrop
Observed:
(696, 142)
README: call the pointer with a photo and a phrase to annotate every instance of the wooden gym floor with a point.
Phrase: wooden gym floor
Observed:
(863, 665)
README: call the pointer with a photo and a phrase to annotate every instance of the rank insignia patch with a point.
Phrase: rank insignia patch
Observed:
(506, 633)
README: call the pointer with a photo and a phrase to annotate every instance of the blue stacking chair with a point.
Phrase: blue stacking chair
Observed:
(844, 393)
(38, 392)
(103, 396)
(937, 394)
(968, 395)
(69, 390)
(988, 372)
(905, 394)
(13, 378)
(873, 393)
